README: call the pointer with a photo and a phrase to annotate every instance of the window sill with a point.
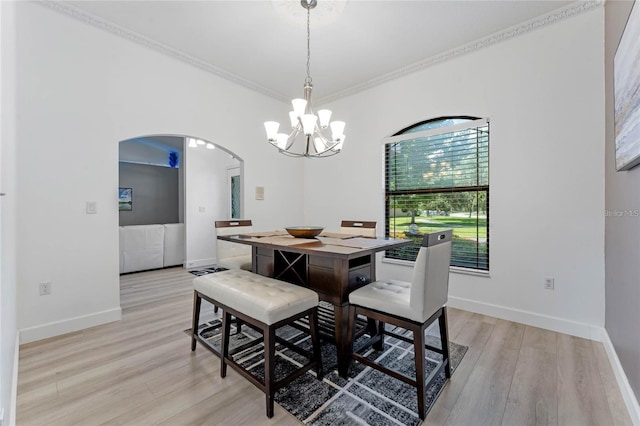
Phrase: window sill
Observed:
(454, 269)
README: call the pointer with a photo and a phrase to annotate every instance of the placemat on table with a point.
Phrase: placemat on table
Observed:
(337, 235)
(288, 241)
(276, 233)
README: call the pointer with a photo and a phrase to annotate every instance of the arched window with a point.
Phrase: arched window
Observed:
(437, 176)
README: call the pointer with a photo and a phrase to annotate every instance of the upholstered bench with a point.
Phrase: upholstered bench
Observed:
(264, 304)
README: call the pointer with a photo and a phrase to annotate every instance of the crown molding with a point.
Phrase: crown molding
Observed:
(558, 15)
(88, 18)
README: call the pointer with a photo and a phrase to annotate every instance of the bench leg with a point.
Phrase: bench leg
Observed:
(224, 350)
(197, 302)
(379, 344)
(269, 367)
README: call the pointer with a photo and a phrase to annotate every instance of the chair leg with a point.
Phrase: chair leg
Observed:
(444, 341)
(315, 341)
(269, 367)
(224, 350)
(197, 302)
(418, 347)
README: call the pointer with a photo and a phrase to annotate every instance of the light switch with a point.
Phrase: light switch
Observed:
(259, 192)
(201, 209)
(92, 207)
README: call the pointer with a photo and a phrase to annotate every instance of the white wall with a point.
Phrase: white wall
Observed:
(206, 201)
(87, 90)
(8, 287)
(622, 245)
(543, 92)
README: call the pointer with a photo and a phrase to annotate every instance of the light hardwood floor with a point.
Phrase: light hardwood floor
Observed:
(141, 371)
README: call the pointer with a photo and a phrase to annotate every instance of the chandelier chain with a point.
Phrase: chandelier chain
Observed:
(308, 79)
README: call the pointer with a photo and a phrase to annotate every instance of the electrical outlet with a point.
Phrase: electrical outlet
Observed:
(45, 288)
(549, 283)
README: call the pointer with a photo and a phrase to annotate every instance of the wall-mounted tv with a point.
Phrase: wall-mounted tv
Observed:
(125, 199)
(626, 89)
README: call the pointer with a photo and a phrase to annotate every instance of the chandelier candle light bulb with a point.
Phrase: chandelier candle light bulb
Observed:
(324, 115)
(299, 106)
(305, 124)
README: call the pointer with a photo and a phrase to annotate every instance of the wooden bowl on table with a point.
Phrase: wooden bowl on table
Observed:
(304, 231)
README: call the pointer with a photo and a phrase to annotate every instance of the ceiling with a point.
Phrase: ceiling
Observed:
(162, 142)
(262, 44)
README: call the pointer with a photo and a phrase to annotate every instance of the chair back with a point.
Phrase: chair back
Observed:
(430, 281)
(358, 227)
(226, 249)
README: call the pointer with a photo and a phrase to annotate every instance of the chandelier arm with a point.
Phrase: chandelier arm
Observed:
(307, 139)
(318, 131)
(298, 155)
(291, 154)
(327, 140)
(292, 136)
(325, 154)
(328, 143)
(322, 136)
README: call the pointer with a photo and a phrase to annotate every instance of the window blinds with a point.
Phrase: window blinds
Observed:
(439, 178)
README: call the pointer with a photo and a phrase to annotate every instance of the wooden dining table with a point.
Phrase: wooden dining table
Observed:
(332, 264)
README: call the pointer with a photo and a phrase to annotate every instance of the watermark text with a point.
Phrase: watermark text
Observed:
(622, 213)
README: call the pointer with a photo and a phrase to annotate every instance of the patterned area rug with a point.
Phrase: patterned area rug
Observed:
(366, 397)
(205, 271)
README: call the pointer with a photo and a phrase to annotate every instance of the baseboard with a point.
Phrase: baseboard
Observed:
(628, 395)
(57, 328)
(560, 325)
(14, 382)
(200, 263)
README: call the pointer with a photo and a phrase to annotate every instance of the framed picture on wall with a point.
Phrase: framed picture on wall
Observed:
(125, 199)
(626, 89)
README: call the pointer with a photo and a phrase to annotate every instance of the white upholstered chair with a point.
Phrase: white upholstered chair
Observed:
(358, 227)
(412, 306)
(233, 255)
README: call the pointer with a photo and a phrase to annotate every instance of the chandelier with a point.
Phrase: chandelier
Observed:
(307, 127)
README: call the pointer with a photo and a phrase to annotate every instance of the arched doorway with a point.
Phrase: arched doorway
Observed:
(178, 179)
